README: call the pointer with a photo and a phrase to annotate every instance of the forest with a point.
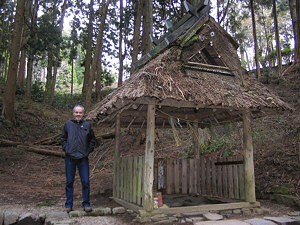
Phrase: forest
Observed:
(77, 48)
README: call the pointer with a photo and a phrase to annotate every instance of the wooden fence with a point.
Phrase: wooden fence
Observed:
(128, 179)
(222, 178)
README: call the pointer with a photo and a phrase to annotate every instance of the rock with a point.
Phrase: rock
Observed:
(236, 211)
(167, 221)
(10, 218)
(225, 212)
(159, 217)
(100, 212)
(295, 213)
(29, 219)
(246, 211)
(129, 211)
(222, 222)
(197, 219)
(179, 215)
(258, 221)
(55, 217)
(212, 216)
(283, 220)
(143, 219)
(63, 222)
(77, 214)
(118, 210)
(193, 214)
(259, 211)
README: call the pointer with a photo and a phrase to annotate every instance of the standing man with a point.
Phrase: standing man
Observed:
(78, 141)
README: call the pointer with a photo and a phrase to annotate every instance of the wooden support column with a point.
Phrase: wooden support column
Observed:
(248, 158)
(116, 157)
(117, 136)
(195, 140)
(149, 159)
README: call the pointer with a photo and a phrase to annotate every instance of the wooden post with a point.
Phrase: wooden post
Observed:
(195, 140)
(116, 157)
(149, 159)
(248, 158)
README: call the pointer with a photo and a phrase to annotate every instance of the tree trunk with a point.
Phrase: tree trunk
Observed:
(8, 110)
(136, 32)
(298, 32)
(30, 53)
(147, 26)
(98, 80)
(278, 48)
(88, 56)
(29, 77)
(72, 76)
(49, 74)
(57, 56)
(21, 71)
(267, 34)
(120, 46)
(255, 40)
(294, 22)
(53, 83)
(97, 56)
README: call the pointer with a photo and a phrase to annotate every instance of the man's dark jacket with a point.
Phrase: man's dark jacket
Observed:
(78, 139)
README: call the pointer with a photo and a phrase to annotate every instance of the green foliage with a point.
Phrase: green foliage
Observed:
(67, 101)
(279, 190)
(37, 91)
(221, 144)
(45, 203)
(188, 153)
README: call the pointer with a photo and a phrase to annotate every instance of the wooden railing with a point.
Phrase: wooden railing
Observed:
(128, 179)
(222, 178)
(218, 178)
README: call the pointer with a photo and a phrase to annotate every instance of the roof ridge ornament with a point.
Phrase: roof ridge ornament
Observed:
(195, 10)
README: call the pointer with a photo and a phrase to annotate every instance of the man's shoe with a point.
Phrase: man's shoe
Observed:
(68, 209)
(87, 209)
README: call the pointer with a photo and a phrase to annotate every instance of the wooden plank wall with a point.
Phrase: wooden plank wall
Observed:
(222, 178)
(129, 179)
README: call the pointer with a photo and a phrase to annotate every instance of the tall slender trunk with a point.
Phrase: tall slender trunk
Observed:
(298, 32)
(8, 108)
(255, 40)
(147, 26)
(88, 55)
(294, 22)
(22, 65)
(72, 76)
(120, 45)
(98, 81)
(31, 53)
(278, 48)
(136, 32)
(266, 34)
(29, 77)
(21, 71)
(57, 56)
(97, 56)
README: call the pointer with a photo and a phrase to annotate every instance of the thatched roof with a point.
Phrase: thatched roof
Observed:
(185, 91)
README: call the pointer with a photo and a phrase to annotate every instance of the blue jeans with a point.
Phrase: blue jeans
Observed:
(83, 168)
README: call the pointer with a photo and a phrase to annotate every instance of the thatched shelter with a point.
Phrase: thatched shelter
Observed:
(193, 73)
